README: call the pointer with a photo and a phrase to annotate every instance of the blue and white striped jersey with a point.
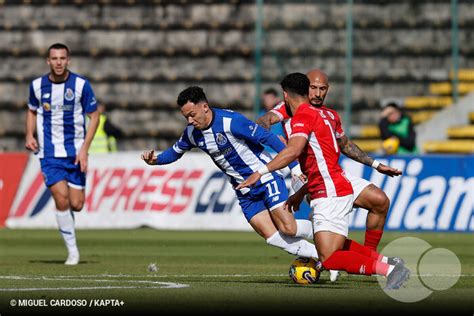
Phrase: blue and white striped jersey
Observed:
(61, 109)
(233, 142)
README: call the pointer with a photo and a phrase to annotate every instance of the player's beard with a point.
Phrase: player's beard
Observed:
(288, 109)
(314, 100)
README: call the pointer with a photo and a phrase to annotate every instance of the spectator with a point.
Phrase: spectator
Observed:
(397, 131)
(105, 139)
(270, 99)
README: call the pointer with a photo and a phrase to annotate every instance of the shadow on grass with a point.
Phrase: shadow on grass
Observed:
(60, 262)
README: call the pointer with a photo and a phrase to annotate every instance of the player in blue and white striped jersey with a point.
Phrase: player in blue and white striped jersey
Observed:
(235, 144)
(57, 106)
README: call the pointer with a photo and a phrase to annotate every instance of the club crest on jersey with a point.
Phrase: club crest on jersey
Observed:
(47, 106)
(69, 95)
(221, 139)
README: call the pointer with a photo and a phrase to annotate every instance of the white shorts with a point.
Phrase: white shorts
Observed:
(332, 214)
(358, 184)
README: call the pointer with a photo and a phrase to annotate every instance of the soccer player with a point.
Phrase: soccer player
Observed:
(234, 143)
(57, 106)
(366, 194)
(312, 141)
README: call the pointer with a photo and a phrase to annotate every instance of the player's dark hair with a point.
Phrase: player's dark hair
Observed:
(271, 91)
(192, 94)
(58, 46)
(295, 83)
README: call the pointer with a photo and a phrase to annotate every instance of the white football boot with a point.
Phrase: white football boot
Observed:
(333, 275)
(72, 259)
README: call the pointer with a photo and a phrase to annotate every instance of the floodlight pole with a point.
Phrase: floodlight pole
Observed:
(258, 56)
(455, 50)
(348, 73)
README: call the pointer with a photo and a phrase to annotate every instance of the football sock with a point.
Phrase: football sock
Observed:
(304, 229)
(352, 245)
(66, 228)
(356, 263)
(372, 238)
(293, 245)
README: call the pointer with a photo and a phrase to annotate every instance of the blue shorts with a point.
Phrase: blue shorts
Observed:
(266, 196)
(58, 169)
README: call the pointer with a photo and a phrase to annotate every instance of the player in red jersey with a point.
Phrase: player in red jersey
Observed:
(366, 194)
(313, 142)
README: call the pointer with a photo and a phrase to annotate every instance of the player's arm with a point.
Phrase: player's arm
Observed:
(353, 151)
(283, 159)
(33, 104)
(268, 119)
(169, 155)
(243, 128)
(89, 104)
(166, 157)
(30, 140)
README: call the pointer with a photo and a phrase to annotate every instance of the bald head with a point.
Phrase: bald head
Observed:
(318, 86)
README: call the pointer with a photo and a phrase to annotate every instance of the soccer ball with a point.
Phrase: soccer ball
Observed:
(390, 145)
(305, 270)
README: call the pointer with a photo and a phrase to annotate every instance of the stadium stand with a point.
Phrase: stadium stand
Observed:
(140, 53)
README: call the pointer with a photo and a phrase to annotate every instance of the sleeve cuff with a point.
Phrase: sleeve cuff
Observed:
(32, 107)
(280, 116)
(299, 134)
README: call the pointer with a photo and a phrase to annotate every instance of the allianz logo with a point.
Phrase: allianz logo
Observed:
(425, 200)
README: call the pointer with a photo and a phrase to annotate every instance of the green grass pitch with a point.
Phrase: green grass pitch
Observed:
(222, 272)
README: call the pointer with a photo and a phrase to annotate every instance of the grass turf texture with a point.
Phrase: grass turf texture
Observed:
(225, 272)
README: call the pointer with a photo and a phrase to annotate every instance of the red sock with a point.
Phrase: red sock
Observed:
(372, 238)
(351, 262)
(355, 263)
(363, 250)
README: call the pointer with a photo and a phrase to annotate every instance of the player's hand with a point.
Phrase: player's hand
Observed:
(294, 201)
(82, 159)
(31, 143)
(149, 157)
(250, 181)
(389, 171)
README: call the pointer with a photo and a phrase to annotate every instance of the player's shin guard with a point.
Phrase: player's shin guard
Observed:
(372, 238)
(293, 245)
(356, 263)
(363, 250)
(66, 228)
(304, 229)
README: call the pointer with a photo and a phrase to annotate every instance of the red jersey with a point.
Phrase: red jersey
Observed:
(319, 160)
(331, 116)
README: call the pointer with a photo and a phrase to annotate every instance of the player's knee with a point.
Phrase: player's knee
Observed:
(77, 205)
(381, 203)
(288, 229)
(62, 204)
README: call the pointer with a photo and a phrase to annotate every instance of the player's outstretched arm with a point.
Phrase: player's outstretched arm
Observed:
(149, 157)
(283, 159)
(268, 119)
(353, 151)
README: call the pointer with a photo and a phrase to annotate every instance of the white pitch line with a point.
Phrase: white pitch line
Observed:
(90, 288)
(161, 285)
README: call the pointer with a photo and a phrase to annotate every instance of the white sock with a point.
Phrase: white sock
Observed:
(293, 245)
(390, 269)
(66, 228)
(384, 259)
(304, 229)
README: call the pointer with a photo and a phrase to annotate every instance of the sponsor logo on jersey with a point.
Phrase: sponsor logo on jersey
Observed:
(69, 94)
(46, 96)
(299, 124)
(221, 139)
